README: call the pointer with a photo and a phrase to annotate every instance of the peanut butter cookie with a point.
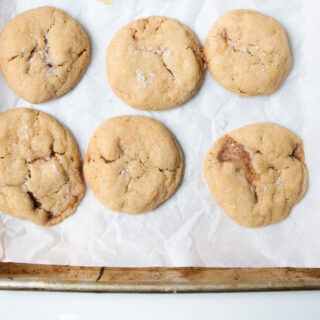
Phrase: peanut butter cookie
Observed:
(257, 173)
(154, 63)
(133, 164)
(248, 53)
(40, 178)
(43, 54)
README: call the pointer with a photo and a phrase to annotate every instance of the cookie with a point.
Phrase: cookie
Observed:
(154, 63)
(248, 53)
(257, 173)
(133, 164)
(43, 54)
(40, 178)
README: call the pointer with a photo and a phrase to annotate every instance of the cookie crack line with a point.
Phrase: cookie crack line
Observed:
(296, 152)
(197, 54)
(32, 52)
(158, 52)
(160, 24)
(30, 55)
(107, 161)
(52, 155)
(145, 164)
(134, 31)
(47, 60)
(166, 67)
(38, 205)
(15, 57)
(162, 170)
(148, 166)
(79, 55)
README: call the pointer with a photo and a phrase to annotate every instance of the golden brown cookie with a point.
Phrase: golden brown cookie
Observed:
(257, 173)
(133, 164)
(40, 178)
(248, 53)
(43, 54)
(154, 63)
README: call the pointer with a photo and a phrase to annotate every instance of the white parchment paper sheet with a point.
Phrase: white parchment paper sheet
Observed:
(189, 229)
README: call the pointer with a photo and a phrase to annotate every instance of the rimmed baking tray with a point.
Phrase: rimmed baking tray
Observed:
(18, 276)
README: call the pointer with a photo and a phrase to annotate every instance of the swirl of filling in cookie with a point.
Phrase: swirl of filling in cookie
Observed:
(257, 173)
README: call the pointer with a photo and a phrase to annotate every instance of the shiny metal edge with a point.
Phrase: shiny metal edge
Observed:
(16, 276)
(140, 288)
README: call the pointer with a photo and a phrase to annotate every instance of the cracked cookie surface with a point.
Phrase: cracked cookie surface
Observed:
(40, 178)
(133, 164)
(154, 63)
(248, 53)
(43, 54)
(257, 173)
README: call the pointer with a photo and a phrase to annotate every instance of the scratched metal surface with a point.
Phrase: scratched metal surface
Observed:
(15, 276)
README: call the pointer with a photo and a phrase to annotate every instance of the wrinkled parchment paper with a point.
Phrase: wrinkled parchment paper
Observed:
(189, 229)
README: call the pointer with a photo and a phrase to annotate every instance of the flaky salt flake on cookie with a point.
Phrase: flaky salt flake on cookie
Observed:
(43, 54)
(257, 173)
(155, 63)
(133, 164)
(248, 53)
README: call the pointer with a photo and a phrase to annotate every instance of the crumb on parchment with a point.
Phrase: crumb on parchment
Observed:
(105, 1)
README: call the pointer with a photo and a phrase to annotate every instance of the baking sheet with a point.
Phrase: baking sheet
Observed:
(20, 276)
(189, 229)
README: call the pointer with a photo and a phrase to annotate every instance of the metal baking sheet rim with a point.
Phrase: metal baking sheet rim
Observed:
(16, 276)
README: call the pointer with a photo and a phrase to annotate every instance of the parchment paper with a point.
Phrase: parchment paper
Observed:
(189, 229)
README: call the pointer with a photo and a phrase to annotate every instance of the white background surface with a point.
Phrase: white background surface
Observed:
(240, 306)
